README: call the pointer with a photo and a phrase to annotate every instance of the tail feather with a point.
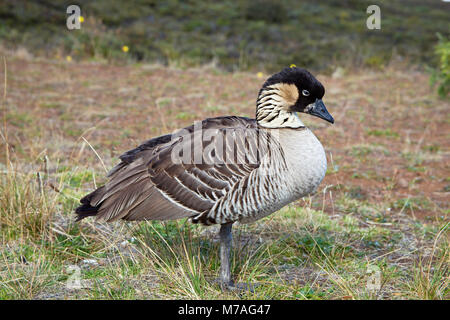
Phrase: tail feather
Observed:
(87, 209)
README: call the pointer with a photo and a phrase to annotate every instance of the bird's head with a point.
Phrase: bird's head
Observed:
(287, 92)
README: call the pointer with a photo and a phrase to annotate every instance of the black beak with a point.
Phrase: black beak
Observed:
(319, 110)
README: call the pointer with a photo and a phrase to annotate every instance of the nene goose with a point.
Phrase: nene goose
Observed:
(222, 170)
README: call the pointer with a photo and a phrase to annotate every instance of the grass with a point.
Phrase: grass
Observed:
(385, 133)
(262, 35)
(298, 253)
(364, 226)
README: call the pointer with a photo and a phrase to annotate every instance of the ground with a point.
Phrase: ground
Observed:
(380, 214)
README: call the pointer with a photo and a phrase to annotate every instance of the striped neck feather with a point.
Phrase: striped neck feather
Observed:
(273, 107)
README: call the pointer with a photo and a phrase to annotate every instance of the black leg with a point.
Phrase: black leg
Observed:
(225, 250)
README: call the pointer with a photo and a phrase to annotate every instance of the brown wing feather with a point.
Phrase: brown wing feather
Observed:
(148, 185)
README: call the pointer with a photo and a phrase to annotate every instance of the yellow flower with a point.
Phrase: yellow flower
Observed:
(81, 19)
(125, 48)
(292, 66)
(259, 74)
(69, 58)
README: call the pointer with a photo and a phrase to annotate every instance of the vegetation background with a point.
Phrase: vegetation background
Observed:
(72, 101)
(237, 35)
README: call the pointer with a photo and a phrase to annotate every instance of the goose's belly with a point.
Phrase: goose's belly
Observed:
(306, 166)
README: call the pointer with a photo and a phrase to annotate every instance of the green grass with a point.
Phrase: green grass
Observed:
(297, 253)
(258, 35)
(384, 133)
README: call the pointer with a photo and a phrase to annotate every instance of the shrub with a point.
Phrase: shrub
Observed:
(441, 76)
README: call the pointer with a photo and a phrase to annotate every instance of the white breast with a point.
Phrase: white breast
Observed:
(306, 161)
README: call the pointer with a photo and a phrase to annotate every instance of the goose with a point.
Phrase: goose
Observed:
(223, 170)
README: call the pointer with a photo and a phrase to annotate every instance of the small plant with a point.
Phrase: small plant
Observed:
(441, 76)
(382, 133)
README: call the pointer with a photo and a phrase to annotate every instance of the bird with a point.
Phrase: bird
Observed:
(223, 170)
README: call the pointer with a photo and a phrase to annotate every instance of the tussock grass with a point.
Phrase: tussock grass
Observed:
(431, 274)
(26, 212)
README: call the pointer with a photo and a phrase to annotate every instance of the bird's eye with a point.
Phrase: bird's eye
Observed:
(305, 93)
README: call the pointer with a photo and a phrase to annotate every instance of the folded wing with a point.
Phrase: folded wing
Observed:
(179, 175)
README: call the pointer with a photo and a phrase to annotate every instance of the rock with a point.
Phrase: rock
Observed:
(89, 263)
(402, 183)
(338, 73)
